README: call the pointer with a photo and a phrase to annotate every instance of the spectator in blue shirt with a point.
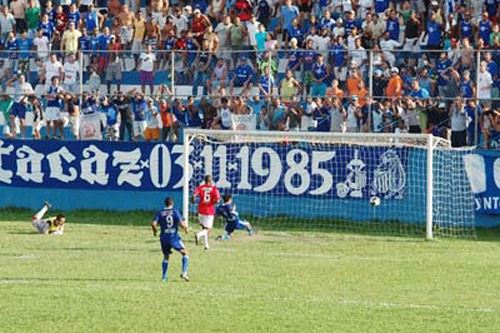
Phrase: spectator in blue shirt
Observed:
(288, 13)
(242, 77)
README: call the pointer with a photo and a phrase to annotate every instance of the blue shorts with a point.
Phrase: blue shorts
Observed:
(18, 110)
(167, 246)
(230, 227)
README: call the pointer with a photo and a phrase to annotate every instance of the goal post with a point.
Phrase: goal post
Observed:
(398, 184)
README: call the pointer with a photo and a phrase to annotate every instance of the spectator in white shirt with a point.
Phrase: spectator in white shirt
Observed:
(484, 83)
(147, 62)
(70, 73)
(41, 43)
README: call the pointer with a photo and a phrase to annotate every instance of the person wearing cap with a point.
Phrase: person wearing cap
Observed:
(242, 77)
(338, 29)
(395, 85)
(199, 25)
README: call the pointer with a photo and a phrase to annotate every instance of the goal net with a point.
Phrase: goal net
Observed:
(370, 183)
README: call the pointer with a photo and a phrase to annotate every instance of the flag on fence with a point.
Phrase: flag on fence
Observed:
(90, 127)
(244, 123)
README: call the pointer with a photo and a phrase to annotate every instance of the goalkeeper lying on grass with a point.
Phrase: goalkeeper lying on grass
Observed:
(231, 218)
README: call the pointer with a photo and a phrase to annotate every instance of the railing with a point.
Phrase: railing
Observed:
(279, 79)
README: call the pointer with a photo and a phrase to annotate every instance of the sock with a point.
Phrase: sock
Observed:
(206, 239)
(185, 264)
(41, 213)
(202, 233)
(164, 269)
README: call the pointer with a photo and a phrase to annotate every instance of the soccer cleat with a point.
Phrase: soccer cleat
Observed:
(165, 279)
(185, 277)
(207, 247)
(251, 232)
(46, 203)
(196, 240)
(218, 238)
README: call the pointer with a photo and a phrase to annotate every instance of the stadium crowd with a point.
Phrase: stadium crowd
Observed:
(413, 66)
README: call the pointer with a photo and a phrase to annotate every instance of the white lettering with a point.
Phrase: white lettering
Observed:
(5, 175)
(179, 149)
(319, 157)
(129, 165)
(475, 169)
(243, 155)
(94, 166)
(221, 154)
(496, 172)
(297, 169)
(29, 164)
(272, 172)
(160, 159)
(56, 165)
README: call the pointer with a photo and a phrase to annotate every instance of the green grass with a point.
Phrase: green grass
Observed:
(105, 277)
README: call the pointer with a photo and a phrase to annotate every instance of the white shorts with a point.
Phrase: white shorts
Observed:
(206, 220)
(74, 123)
(52, 113)
(139, 127)
(126, 34)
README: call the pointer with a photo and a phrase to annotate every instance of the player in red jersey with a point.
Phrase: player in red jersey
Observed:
(209, 197)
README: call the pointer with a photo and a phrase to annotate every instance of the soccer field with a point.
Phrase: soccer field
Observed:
(107, 278)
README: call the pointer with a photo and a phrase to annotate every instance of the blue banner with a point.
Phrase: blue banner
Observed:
(306, 170)
(284, 170)
(483, 170)
(95, 165)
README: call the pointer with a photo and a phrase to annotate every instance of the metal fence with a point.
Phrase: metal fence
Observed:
(391, 90)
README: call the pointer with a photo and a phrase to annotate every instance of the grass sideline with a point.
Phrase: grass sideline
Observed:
(106, 278)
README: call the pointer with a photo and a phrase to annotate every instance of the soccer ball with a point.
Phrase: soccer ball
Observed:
(375, 201)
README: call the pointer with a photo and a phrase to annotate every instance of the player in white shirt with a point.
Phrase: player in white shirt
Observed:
(71, 74)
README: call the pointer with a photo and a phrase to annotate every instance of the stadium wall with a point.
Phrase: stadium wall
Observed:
(129, 176)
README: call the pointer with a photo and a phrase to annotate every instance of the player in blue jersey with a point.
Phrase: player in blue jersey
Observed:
(170, 220)
(232, 219)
